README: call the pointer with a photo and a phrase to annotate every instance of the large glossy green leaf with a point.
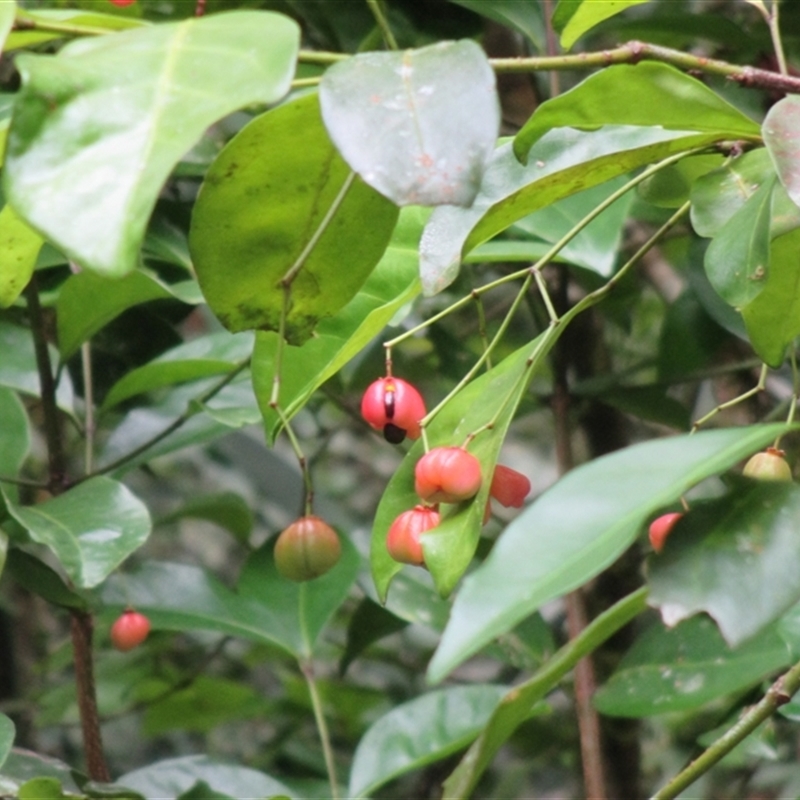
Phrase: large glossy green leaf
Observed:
(419, 125)
(212, 354)
(18, 369)
(580, 526)
(92, 528)
(596, 246)
(724, 553)
(647, 94)
(562, 163)
(737, 260)
(773, 318)
(781, 131)
(719, 194)
(7, 733)
(166, 780)
(266, 606)
(38, 578)
(450, 547)
(685, 667)
(369, 623)
(100, 126)
(420, 732)
(280, 198)
(526, 18)
(87, 302)
(393, 283)
(573, 18)
(19, 247)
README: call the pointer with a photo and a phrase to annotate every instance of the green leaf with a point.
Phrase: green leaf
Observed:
(719, 194)
(563, 163)
(646, 94)
(212, 354)
(227, 509)
(419, 125)
(87, 302)
(523, 17)
(573, 18)
(165, 84)
(370, 623)
(450, 547)
(207, 702)
(202, 791)
(419, 732)
(172, 777)
(266, 608)
(722, 552)
(92, 528)
(18, 369)
(35, 576)
(8, 11)
(393, 283)
(7, 734)
(673, 186)
(41, 789)
(21, 765)
(578, 527)
(19, 248)
(773, 318)
(737, 260)
(276, 199)
(686, 667)
(15, 437)
(597, 245)
(781, 132)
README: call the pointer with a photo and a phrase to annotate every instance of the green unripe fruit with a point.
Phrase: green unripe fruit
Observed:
(308, 548)
(768, 466)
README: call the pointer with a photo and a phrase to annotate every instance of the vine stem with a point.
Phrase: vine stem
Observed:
(759, 387)
(629, 53)
(383, 23)
(778, 694)
(322, 727)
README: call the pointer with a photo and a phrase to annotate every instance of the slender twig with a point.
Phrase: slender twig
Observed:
(301, 458)
(778, 694)
(24, 482)
(759, 387)
(629, 53)
(191, 410)
(23, 22)
(88, 402)
(383, 23)
(482, 326)
(322, 727)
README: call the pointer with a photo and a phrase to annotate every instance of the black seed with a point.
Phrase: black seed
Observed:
(393, 434)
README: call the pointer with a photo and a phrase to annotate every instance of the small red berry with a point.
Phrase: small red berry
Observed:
(395, 407)
(403, 541)
(509, 487)
(768, 466)
(121, 3)
(130, 630)
(660, 529)
(447, 475)
(308, 548)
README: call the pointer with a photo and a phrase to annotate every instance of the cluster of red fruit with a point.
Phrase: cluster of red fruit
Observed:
(767, 466)
(442, 475)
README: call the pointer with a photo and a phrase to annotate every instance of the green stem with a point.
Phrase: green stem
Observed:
(778, 694)
(322, 727)
(482, 326)
(298, 451)
(554, 250)
(516, 705)
(191, 410)
(383, 23)
(775, 35)
(759, 387)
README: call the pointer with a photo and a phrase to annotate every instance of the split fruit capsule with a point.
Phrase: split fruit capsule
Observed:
(447, 475)
(404, 539)
(395, 407)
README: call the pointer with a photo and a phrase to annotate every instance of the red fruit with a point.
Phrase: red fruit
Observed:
(509, 487)
(395, 407)
(308, 548)
(768, 466)
(121, 3)
(447, 475)
(660, 528)
(403, 541)
(130, 630)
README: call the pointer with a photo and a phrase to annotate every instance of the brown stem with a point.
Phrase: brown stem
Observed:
(82, 628)
(594, 777)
